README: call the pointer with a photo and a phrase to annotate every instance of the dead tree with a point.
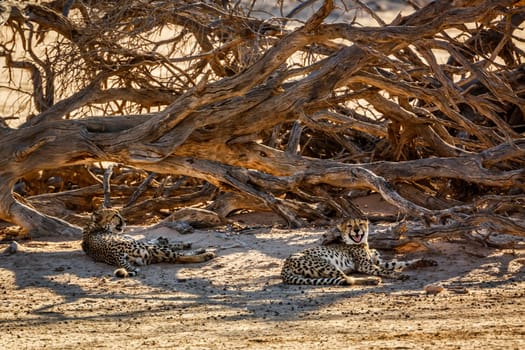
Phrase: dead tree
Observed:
(216, 107)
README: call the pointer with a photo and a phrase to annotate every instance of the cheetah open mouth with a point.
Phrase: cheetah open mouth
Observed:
(357, 238)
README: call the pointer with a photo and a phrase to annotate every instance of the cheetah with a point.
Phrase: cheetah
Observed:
(331, 264)
(102, 240)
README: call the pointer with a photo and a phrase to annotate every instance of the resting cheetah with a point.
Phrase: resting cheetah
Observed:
(102, 240)
(324, 265)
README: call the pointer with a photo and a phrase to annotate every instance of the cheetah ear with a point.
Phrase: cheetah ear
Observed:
(95, 215)
(342, 226)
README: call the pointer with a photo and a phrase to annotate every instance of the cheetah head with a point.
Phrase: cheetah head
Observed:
(109, 219)
(354, 231)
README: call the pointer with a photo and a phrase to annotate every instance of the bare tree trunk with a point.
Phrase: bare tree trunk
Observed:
(233, 112)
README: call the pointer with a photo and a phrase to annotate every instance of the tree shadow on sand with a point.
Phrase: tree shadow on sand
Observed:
(80, 289)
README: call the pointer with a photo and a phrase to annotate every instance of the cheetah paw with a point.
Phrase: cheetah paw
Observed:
(123, 273)
(161, 241)
(183, 245)
(363, 281)
(402, 277)
(372, 281)
(209, 255)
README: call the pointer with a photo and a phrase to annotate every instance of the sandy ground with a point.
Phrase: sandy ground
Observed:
(53, 296)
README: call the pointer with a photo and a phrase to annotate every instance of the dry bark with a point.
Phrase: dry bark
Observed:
(232, 112)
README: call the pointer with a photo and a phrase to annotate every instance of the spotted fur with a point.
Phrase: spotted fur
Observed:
(332, 264)
(102, 239)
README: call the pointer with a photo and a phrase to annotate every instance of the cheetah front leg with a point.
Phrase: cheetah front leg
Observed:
(194, 257)
(368, 267)
(397, 265)
(165, 242)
